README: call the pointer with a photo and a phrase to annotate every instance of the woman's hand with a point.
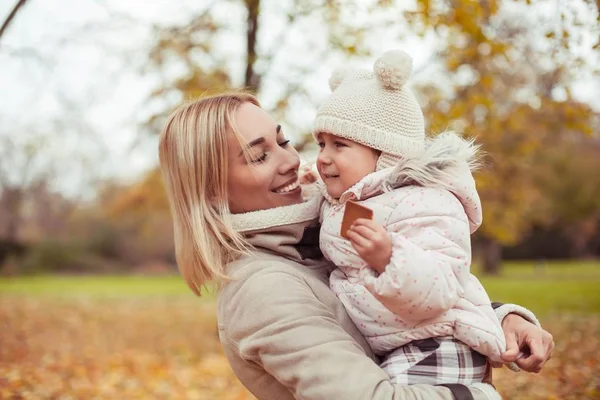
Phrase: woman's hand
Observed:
(528, 345)
(372, 243)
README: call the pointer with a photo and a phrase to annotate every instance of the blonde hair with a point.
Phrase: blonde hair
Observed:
(193, 159)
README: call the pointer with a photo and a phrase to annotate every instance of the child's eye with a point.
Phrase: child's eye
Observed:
(340, 144)
(260, 159)
(321, 144)
(284, 143)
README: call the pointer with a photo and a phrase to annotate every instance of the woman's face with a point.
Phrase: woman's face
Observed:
(270, 177)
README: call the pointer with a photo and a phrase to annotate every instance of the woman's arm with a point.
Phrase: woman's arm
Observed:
(294, 337)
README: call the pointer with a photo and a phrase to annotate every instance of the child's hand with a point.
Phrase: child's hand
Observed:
(306, 175)
(372, 243)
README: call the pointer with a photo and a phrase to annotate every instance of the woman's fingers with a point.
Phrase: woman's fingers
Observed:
(538, 350)
(539, 354)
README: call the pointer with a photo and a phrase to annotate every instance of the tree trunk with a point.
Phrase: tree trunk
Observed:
(10, 209)
(581, 234)
(491, 256)
(252, 79)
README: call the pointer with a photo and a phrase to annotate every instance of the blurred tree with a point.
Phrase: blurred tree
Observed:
(45, 213)
(196, 49)
(569, 178)
(23, 170)
(23, 167)
(140, 213)
(31, 207)
(505, 79)
(502, 72)
(142, 198)
(127, 226)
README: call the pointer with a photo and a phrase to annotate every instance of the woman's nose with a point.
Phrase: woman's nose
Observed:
(290, 161)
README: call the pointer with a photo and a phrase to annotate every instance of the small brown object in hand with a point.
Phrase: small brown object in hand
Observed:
(353, 212)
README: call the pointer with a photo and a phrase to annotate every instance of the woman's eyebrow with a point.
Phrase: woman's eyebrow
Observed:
(258, 140)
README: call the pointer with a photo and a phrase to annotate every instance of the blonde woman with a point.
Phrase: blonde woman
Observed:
(240, 219)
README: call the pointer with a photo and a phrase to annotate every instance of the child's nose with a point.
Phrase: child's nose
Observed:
(324, 158)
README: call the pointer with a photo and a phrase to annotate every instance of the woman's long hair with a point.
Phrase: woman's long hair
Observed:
(193, 160)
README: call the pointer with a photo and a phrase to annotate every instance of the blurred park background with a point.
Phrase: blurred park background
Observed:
(91, 305)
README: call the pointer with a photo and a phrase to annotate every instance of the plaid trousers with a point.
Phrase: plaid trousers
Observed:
(435, 361)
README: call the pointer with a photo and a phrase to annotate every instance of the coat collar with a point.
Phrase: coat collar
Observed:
(369, 186)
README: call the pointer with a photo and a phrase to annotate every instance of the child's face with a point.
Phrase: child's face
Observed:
(342, 163)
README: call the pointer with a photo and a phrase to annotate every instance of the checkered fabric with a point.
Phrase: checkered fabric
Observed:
(435, 361)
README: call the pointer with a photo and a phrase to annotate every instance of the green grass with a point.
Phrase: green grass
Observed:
(579, 270)
(548, 288)
(556, 287)
(117, 286)
(547, 297)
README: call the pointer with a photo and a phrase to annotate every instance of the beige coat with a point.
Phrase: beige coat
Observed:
(283, 330)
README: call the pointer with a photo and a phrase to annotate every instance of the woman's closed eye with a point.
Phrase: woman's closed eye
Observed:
(263, 156)
(259, 159)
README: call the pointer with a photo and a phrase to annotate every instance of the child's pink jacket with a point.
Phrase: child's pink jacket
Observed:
(429, 206)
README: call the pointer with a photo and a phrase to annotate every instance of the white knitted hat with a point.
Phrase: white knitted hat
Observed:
(375, 108)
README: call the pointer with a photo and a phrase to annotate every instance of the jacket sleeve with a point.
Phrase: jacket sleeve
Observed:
(431, 256)
(296, 338)
(502, 310)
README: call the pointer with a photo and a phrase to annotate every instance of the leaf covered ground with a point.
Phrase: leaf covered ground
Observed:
(131, 338)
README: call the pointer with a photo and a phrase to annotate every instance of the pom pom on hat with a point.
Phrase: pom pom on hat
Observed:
(338, 76)
(393, 69)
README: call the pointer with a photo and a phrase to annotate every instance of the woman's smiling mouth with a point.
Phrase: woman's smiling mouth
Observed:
(289, 187)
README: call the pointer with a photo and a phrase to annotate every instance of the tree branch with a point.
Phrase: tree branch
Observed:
(11, 16)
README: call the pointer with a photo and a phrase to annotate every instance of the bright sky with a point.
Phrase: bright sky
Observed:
(75, 70)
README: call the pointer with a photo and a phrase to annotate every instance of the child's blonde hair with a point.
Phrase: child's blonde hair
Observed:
(193, 160)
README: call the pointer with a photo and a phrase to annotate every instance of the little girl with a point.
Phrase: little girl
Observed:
(404, 276)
